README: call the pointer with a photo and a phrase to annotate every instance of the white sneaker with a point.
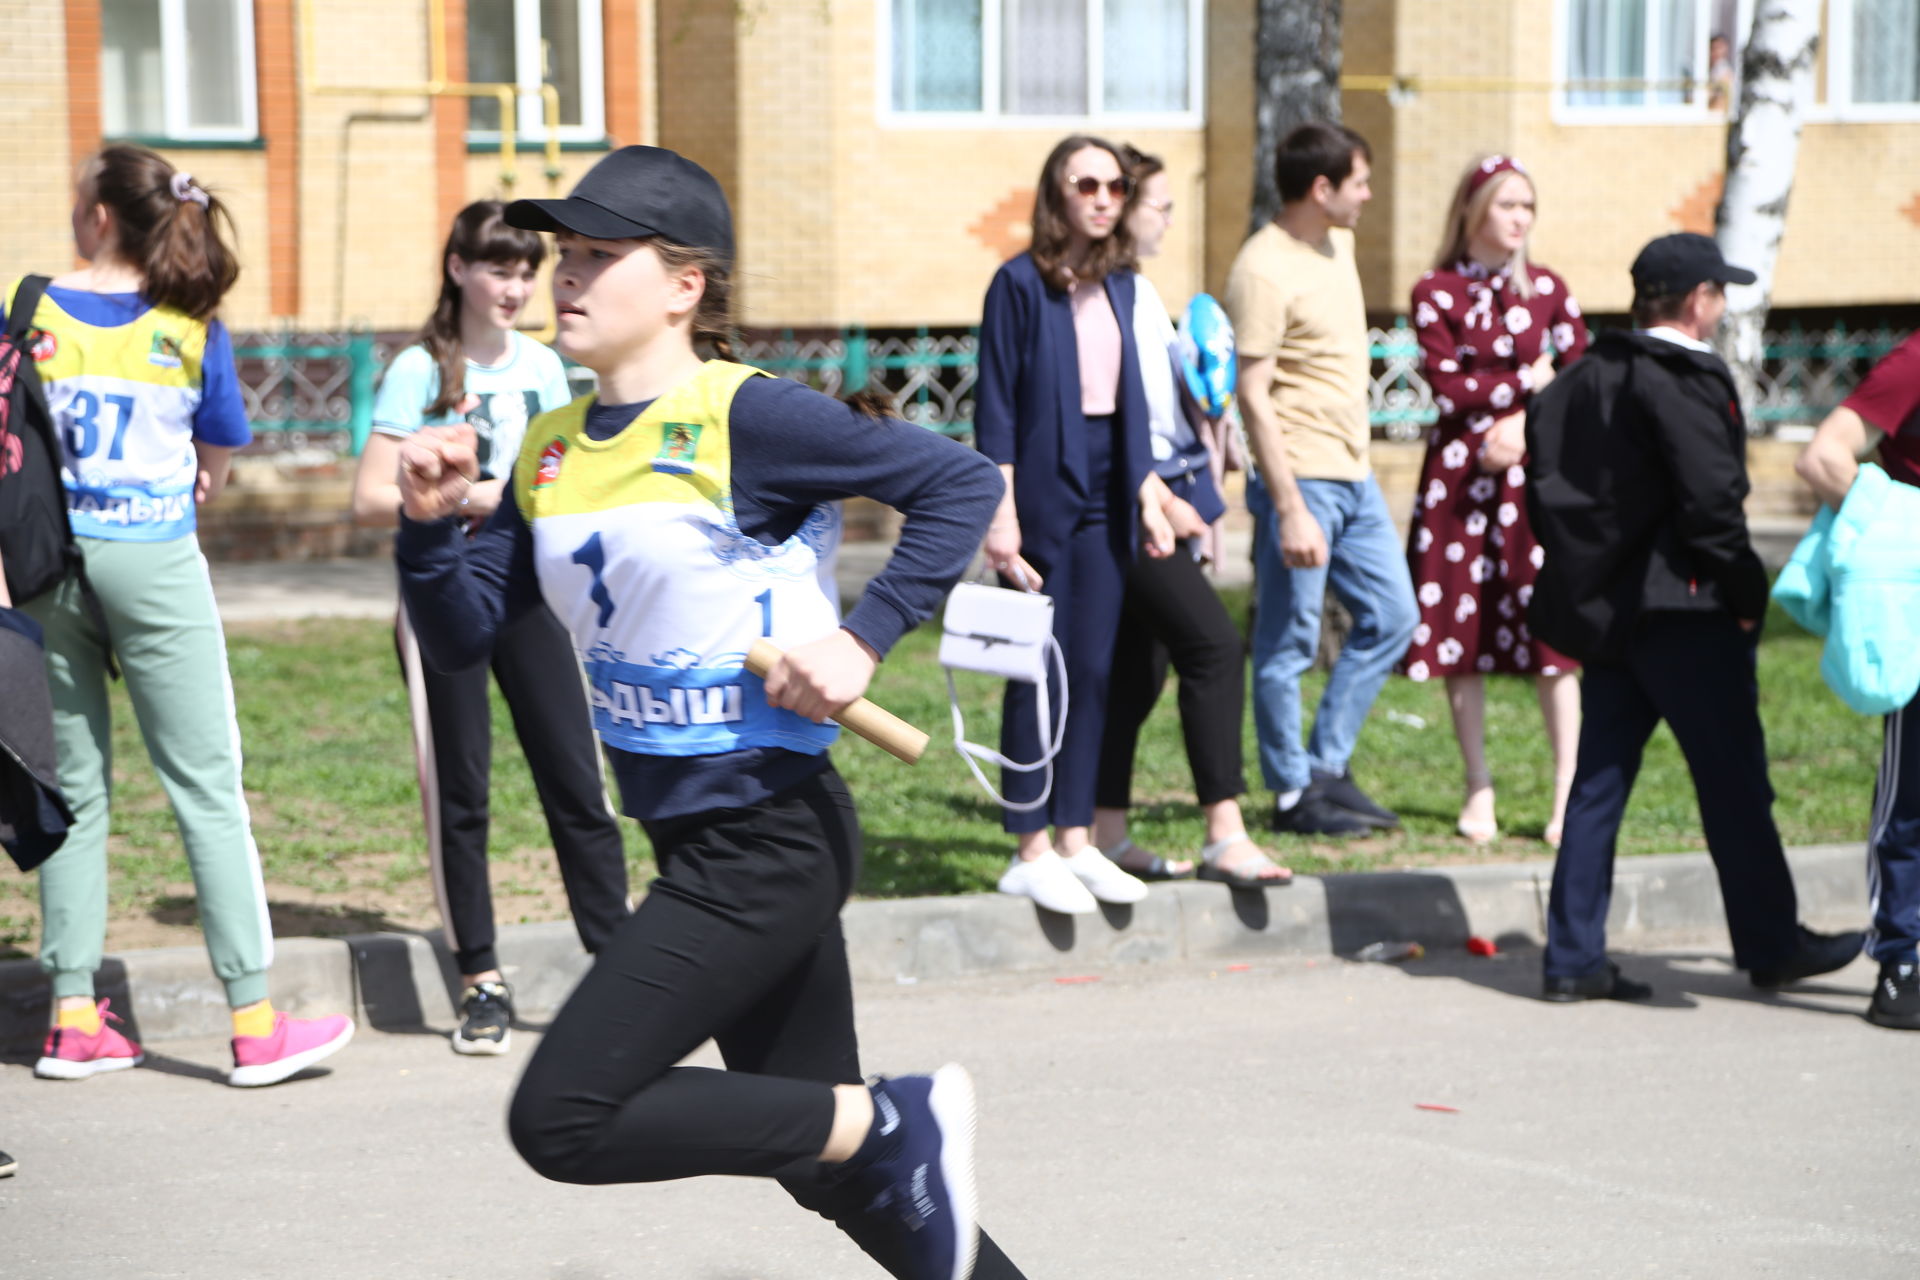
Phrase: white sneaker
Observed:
(1048, 882)
(1103, 878)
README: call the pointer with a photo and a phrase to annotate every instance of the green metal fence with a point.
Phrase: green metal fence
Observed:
(323, 384)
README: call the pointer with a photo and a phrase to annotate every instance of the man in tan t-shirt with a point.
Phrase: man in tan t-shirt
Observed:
(1300, 324)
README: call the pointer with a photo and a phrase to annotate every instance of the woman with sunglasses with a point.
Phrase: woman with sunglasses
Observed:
(1061, 408)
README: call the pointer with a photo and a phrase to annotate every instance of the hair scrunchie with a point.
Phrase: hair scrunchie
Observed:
(183, 188)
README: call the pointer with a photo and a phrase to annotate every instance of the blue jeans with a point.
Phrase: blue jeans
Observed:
(1367, 569)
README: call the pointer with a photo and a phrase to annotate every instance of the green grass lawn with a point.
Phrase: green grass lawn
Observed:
(329, 770)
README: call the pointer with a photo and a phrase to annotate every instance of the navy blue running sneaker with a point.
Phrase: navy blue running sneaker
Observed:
(921, 1173)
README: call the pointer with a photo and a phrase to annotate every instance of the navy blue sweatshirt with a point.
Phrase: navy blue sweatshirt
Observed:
(793, 449)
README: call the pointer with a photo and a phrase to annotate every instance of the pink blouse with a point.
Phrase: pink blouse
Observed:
(1096, 333)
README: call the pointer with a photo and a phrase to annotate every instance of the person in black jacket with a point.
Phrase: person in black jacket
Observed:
(1636, 479)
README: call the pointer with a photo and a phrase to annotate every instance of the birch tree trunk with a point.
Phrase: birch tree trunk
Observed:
(1763, 144)
(1296, 73)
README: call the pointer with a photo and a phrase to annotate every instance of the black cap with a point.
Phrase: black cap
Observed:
(636, 192)
(1675, 264)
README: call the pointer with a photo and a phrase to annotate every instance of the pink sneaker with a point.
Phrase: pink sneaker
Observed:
(72, 1054)
(294, 1045)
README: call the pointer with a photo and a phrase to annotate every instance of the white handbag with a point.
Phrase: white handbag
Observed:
(1008, 634)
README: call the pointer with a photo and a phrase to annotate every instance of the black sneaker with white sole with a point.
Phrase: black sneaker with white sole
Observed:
(486, 1019)
(1896, 996)
(8, 1165)
(918, 1170)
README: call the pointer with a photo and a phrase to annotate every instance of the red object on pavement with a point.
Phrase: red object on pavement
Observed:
(1238, 968)
(1084, 977)
(1437, 1106)
(1482, 947)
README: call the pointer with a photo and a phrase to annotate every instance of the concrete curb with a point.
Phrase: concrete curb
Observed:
(400, 982)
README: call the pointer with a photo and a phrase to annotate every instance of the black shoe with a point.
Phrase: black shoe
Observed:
(1346, 793)
(1896, 997)
(8, 1165)
(1315, 815)
(1815, 954)
(1602, 984)
(916, 1165)
(486, 1019)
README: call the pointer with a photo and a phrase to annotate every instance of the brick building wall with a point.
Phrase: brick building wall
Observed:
(1853, 229)
(34, 235)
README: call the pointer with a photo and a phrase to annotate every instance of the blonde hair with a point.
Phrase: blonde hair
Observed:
(1468, 209)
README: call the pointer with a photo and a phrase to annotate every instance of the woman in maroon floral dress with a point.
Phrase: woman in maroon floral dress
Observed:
(1491, 326)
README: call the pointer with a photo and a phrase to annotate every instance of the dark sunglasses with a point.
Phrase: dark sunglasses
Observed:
(1119, 188)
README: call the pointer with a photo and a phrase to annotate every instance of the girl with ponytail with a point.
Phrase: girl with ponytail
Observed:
(140, 377)
(470, 365)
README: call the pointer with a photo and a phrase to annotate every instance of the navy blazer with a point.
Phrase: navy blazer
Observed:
(1027, 407)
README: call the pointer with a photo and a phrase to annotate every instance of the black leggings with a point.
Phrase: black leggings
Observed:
(1171, 610)
(533, 659)
(738, 941)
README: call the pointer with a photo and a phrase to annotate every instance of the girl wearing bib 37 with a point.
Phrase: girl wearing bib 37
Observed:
(141, 381)
(469, 364)
(686, 512)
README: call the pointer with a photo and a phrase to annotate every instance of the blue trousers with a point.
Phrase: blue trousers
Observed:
(1088, 582)
(1893, 847)
(1696, 672)
(1367, 569)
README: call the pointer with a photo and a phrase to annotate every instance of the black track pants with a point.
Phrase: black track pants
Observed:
(738, 941)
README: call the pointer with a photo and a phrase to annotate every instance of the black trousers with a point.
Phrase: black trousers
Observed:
(1171, 613)
(534, 662)
(1696, 672)
(738, 941)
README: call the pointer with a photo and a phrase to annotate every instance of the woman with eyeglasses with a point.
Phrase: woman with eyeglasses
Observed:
(1060, 406)
(1170, 613)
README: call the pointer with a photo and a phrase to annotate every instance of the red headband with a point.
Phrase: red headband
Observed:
(1488, 169)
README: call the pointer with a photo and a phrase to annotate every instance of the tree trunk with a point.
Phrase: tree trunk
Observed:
(1763, 143)
(1296, 79)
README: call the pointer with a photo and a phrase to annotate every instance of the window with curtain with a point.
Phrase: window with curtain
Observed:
(1885, 57)
(527, 43)
(178, 69)
(937, 60)
(1070, 58)
(1625, 54)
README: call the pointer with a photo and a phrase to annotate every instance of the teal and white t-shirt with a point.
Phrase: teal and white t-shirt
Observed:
(502, 399)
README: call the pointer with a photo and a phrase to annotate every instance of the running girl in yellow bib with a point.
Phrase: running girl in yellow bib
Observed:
(687, 511)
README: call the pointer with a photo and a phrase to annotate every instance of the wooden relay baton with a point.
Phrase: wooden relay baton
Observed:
(880, 727)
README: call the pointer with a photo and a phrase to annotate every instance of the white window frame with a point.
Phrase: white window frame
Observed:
(173, 79)
(990, 116)
(1839, 106)
(1693, 112)
(530, 122)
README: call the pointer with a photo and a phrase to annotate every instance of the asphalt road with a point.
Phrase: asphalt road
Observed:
(1172, 1122)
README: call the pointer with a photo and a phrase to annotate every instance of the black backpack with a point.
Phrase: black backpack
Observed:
(36, 538)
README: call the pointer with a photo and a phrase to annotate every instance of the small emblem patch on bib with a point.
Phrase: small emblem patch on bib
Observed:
(550, 459)
(165, 352)
(679, 442)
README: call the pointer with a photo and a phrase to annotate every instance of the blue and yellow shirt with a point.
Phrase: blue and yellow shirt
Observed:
(638, 552)
(132, 386)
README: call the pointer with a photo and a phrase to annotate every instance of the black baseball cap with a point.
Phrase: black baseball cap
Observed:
(637, 192)
(1675, 264)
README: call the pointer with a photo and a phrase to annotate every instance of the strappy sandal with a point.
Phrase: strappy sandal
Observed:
(1157, 867)
(1250, 873)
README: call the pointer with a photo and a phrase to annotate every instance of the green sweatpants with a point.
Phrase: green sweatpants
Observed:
(159, 608)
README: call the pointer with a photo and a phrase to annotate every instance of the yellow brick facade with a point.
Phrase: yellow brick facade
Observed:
(847, 217)
(34, 235)
(1853, 227)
